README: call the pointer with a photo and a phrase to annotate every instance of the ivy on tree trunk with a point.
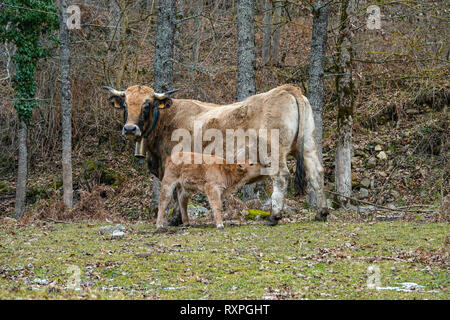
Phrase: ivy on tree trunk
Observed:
(24, 23)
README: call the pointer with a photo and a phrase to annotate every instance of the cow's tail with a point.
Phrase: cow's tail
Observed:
(302, 105)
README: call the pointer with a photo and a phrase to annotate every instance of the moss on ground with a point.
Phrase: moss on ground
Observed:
(289, 261)
(254, 214)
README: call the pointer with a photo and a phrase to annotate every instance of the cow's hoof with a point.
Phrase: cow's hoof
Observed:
(321, 215)
(272, 221)
(185, 225)
(220, 227)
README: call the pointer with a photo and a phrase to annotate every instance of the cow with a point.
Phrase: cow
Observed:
(213, 176)
(153, 117)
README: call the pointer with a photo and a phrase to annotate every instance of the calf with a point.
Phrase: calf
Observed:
(213, 177)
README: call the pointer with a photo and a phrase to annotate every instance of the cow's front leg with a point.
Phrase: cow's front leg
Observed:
(215, 200)
(279, 191)
(182, 203)
(164, 199)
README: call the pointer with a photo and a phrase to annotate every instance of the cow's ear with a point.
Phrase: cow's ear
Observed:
(117, 102)
(164, 104)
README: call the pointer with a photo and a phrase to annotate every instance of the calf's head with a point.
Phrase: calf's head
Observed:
(138, 104)
(250, 170)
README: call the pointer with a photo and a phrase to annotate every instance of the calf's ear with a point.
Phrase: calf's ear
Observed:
(117, 102)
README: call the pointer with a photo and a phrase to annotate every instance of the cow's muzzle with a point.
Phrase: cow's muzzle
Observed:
(131, 131)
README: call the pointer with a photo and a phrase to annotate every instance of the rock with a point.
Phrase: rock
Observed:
(366, 208)
(395, 194)
(252, 191)
(118, 234)
(196, 211)
(382, 156)
(267, 205)
(378, 147)
(390, 206)
(109, 230)
(365, 182)
(288, 208)
(364, 193)
(372, 162)
(412, 111)
(355, 179)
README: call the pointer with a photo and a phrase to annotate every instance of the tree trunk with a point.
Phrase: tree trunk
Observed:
(66, 104)
(344, 91)
(267, 31)
(22, 171)
(123, 43)
(246, 66)
(197, 32)
(316, 72)
(114, 14)
(163, 65)
(277, 31)
(246, 49)
(163, 75)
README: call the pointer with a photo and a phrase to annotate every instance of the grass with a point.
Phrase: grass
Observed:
(291, 261)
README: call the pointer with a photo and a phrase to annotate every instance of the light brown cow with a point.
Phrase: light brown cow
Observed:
(283, 108)
(213, 177)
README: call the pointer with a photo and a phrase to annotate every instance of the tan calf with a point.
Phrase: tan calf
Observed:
(213, 177)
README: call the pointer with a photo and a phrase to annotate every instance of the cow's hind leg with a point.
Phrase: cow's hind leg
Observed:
(279, 191)
(164, 199)
(314, 175)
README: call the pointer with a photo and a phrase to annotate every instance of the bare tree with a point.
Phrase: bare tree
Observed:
(197, 31)
(344, 91)
(163, 75)
(246, 49)
(114, 15)
(316, 73)
(22, 171)
(165, 32)
(277, 15)
(66, 105)
(246, 65)
(267, 31)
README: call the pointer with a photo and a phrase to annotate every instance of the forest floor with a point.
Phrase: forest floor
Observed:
(301, 260)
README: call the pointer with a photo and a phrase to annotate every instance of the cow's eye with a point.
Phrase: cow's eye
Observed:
(146, 110)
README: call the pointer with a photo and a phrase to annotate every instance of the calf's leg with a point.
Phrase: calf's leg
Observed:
(182, 203)
(215, 200)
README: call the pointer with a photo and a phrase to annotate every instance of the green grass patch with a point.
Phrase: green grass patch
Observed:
(289, 261)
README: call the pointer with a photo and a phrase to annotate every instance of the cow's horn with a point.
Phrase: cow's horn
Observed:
(165, 95)
(114, 91)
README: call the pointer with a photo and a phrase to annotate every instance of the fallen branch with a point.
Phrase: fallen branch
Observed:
(378, 207)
